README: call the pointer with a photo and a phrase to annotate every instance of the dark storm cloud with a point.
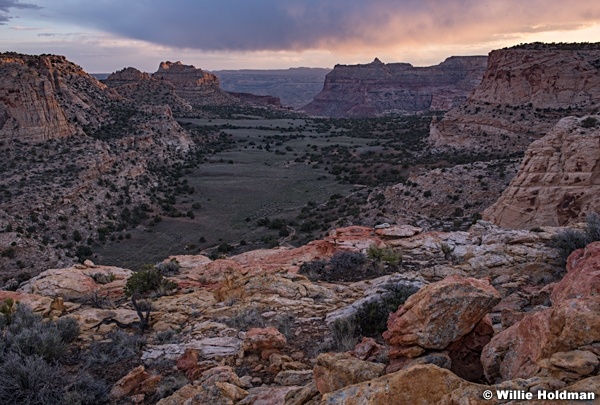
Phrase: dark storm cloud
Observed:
(6, 5)
(325, 24)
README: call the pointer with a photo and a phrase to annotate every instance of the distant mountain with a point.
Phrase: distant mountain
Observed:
(295, 86)
(375, 88)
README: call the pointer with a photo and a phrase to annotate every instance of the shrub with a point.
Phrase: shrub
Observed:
(569, 240)
(344, 333)
(245, 319)
(372, 317)
(30, 380)
(30, 355)
(313, 269)
(27, 335)
(118, 346)
(386, 255)
(169, 268)
(166, 336)
(148, 280)
(589, 122)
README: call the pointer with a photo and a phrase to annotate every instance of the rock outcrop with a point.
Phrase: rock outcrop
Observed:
(558, 181)
(47, 97)
(542, 343)
(194, 85)
(524, 92)
(253, 334)
(376, 88)
(144, 89)
(94, 140)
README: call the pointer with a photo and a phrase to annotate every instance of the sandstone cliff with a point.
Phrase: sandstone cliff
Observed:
(144, 89)
(558, 181)
(47, 97)
(376, 88)
(194, 85)
(69, 145)
(524, 92)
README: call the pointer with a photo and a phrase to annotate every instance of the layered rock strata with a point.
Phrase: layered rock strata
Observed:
(375, 88)
(523, 94)
(558, 181)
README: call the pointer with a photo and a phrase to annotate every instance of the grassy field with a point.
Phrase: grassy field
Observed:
(234, 189)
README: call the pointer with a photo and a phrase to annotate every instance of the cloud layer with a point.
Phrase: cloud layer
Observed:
(243, 25)
(6, 5)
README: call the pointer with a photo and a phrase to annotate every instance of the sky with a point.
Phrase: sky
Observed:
(108, 35)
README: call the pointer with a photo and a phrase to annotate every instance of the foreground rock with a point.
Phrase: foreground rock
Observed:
(79, 282)
(440, 313)
(334, 371)
(530, 346)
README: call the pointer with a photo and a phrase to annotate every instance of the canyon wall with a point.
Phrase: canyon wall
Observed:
(558, 181)
(376, 88)
(525, 91)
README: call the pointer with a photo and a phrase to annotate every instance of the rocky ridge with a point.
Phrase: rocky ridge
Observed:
(47, 97)
(558, 181)
(181, 87)
(376, 88)
(69, 144)
(523, 94)
(495, 285)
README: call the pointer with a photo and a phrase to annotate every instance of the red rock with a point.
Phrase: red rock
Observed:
(337, 370)
(368, 348)
(441, 313)
(136, 382)
(583, 275)
(188, 360)
(515, 352)
(259, 339)
(371, 89)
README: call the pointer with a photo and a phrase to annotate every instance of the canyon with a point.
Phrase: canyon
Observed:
(416, 258)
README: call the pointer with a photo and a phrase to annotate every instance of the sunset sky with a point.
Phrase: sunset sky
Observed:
(107, 35)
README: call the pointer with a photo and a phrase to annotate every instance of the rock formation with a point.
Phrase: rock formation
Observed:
(229, 343)
(66, 140)
(194, 85)
(376, 88)
(180, 87)
(143, 89)
(47, 97)
(524, 92)
(558, 181)
(558, 341)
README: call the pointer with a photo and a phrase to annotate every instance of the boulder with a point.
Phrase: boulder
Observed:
(77, 283)
(137, 381)
(441, 313)
(259, 339)
(337, 370)
(422, 384)
(583, 275)
(516, 351)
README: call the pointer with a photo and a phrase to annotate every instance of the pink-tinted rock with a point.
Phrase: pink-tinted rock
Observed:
(136, 382)
(583, 275)
(259, 339)
(516, 351)
(367, 349)
(337, 370)
(441, 313)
